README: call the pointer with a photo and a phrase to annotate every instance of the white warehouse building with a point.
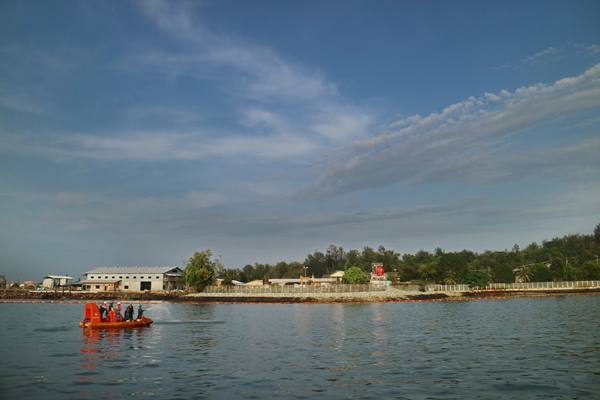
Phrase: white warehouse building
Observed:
(133, 279)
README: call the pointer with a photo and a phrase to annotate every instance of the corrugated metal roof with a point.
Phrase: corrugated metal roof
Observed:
(105, 282)
(131, 270)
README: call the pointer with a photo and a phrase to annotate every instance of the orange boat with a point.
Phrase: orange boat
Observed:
(93, 319)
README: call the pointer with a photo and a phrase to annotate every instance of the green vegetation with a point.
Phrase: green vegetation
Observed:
(200, 270)
(230, 275)
(571, 257)
(355, 275)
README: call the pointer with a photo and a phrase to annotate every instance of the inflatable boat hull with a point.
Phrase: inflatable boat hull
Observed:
(116, 325)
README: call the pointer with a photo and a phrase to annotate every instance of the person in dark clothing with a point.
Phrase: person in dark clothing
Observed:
(118, 310)
(129, 313)
(140, 312)
(103, 310)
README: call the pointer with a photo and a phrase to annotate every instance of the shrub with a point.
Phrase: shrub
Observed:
(355, 275)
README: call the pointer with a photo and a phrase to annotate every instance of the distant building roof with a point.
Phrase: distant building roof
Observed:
(337, 274)
(133, 270)
(58, 277)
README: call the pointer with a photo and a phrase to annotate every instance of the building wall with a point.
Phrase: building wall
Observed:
(102, 287)
(132, 282)
(49, 283)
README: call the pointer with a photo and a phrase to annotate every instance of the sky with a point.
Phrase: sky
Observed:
(136, 133)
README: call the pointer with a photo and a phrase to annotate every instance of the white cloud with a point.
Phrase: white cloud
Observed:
(205, 199)
(553, 54)
(292, 97)
(592, 49)
(22, 103)
(259, 73)
(342, 124)
(460, 139)
(172, 115)
(72, 198)
(271, 147)
(151, 146)
(543, 55)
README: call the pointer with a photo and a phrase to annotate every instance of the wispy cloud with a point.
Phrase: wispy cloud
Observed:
(280, 109)
(261, 74)
(342, 124)
(25, 70)
(159, 146)
(462, 141)
(205, 199)
(554, 54)
(172, 115)
(23, 104)
(300, 97)
(73, 198)
(266, 226)
(540, 56)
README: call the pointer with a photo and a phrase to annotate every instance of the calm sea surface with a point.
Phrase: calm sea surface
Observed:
(517, 348)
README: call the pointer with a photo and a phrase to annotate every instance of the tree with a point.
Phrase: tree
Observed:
(230, 275)
(524, 273)
(316, 263)
(355, 275)
(200, 270)
(452, 267)
(597, 234)
(503, 274)
(389, 258)
(336, 258)
(478, 275)
(589, 271)
(352, 258)
(428, 271)
(368, 257)
(540, 273)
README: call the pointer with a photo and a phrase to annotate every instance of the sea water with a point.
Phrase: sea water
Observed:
(495, 349)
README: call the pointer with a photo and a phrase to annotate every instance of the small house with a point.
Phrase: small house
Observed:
(55, 281)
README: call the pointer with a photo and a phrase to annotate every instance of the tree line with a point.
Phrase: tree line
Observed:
(571, 257)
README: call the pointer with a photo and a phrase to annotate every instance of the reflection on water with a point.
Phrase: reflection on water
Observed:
(522, 348)
(100, 345)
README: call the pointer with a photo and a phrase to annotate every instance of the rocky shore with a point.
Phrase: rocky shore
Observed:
(390, 295)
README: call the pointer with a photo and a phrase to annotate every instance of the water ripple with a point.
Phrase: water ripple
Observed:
(522, 348)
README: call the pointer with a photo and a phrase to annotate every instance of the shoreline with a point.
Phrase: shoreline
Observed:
(390, 296)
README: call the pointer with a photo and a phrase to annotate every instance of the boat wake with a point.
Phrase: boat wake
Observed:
(192, 321)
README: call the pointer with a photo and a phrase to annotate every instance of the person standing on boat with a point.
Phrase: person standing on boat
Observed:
(129, 313)
(103, 310)
(140, 312)
(118, 311)
(112, 314)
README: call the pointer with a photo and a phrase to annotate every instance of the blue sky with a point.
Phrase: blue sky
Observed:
(135, 133)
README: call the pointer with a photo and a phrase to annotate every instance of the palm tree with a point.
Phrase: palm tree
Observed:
(524, 273)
